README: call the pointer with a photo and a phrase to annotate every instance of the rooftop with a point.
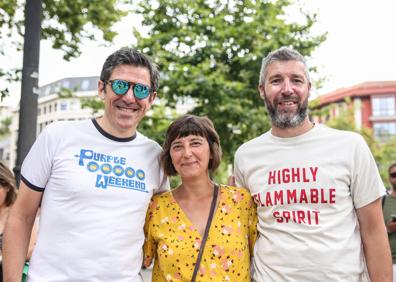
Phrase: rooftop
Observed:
(88, 83)
(362, 89)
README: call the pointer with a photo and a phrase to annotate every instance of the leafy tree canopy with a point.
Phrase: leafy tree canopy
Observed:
(66, 23)
(210, 52)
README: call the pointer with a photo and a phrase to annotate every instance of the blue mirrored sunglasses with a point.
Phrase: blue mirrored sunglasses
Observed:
(121, 87)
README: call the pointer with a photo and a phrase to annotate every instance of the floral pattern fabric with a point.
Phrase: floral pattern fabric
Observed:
(173, 241)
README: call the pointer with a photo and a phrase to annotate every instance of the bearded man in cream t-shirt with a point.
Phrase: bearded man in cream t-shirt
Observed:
(317, 189)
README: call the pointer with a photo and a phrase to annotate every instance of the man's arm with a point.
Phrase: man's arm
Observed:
(375, 241)
(17, 232)
(33, 239)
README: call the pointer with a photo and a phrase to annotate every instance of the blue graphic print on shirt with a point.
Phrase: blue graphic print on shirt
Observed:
(112, 171)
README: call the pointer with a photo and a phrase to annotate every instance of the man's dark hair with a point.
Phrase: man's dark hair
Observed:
(129, 56)
(191, 125)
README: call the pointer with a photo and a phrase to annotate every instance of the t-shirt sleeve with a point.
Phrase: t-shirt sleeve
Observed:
(366, 183)
(239, 179)
(150, 245)
(164, 183)
(252, 224)
(36, 167)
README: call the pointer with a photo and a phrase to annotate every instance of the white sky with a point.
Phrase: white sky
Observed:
(360, 46)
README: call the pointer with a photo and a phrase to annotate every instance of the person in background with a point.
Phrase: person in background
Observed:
(389, 209)
(318, 190)
(176, 220)
(8, 194)
(94, 180)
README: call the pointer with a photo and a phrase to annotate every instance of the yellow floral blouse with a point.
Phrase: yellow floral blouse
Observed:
(174, 242)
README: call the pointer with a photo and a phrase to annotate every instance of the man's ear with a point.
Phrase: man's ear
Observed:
(261, 91)
(152, 97)
(101, 89)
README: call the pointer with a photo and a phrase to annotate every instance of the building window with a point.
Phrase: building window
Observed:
(384, 106)
(63, 105)
(49, 108)
(85, 84)
(66, 84)
(74, 105)
(47, 90)
(383, 130)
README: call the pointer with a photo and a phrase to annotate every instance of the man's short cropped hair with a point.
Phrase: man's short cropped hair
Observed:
(282, 54)
(191, 125)
(129, 56)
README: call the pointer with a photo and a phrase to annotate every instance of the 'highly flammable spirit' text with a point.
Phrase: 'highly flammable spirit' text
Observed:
(308, 194)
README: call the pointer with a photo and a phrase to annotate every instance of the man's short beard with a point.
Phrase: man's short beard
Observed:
(287, 120)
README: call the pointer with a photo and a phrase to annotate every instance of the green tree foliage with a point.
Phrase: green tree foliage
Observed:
(210, 52)
(5, 126)
(66, 23)
(384, 150)
(157, 121)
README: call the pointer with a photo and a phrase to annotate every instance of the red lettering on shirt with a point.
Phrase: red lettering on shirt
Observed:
(292, 175)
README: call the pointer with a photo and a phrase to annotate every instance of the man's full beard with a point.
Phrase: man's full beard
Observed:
(286, 119)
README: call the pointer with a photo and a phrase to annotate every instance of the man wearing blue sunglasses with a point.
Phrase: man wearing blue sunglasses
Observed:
(128, 93)
(94, 180)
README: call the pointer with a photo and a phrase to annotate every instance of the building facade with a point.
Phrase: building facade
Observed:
(374, 106)
(57, 101)
(6, 113)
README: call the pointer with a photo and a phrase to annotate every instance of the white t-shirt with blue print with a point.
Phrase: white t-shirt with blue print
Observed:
(96, 192)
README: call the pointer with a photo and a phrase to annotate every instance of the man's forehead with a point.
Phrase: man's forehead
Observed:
(290, 68)
(133, 73)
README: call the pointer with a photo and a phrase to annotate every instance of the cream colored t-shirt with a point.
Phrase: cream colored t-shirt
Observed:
(307, 188)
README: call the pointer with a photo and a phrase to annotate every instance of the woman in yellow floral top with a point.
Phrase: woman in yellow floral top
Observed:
(176, 220)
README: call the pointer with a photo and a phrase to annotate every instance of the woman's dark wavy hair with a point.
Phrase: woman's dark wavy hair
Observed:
(191, 125)
(7, 181)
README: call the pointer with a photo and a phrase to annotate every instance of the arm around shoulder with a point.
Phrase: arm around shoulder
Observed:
(17, 232)
(149, 247)
(249, 210)
(375, 241)
(253, 220)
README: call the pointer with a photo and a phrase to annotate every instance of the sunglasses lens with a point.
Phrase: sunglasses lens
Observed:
(120, 87)
(141, 91)
(393, 175)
